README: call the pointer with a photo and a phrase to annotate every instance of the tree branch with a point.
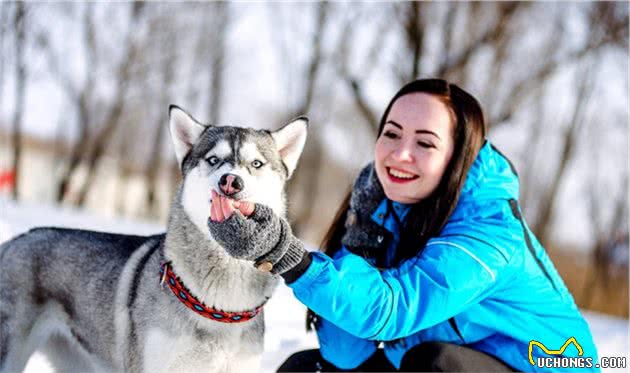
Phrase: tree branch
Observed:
(542, 226)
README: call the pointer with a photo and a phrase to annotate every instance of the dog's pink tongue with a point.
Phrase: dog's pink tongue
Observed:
(245, 207)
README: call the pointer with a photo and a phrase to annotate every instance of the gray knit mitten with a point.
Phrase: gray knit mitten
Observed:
(262, 237)
(362, 235)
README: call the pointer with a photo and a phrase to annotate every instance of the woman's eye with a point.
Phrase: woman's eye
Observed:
(213, 160)
(257, 164)
(425, 144)
(390, 135)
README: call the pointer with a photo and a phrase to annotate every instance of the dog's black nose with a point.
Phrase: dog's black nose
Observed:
(230, 184)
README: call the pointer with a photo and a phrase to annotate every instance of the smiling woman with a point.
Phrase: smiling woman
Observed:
(432, 130)
(429, 265)
(415, 147)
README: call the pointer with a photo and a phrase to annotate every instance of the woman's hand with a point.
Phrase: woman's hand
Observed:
(254, 232)
(245, 230)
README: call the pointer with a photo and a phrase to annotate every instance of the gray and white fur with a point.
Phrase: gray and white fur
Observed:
(93, 302)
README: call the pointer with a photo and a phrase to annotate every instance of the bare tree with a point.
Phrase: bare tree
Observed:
(354, 80)
(19, 25)
(302, 186)
(542, 227)
(414, 32)
(495, 36)
(607, 209)
(167, 71)
(414, 18)
(369, 115)
(209, 47)
(607, 26)
(125, 169)
(217, 35)
(115, 111)
(4, 13)
(348, 48)
(80, 97)
(602, 254)
(478, 34)
(529, 150)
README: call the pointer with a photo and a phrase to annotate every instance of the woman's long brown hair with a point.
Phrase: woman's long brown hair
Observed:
(428, 217)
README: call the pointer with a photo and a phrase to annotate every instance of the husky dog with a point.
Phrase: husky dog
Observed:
(171, 302)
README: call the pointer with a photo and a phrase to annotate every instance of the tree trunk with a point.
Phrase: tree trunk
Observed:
(217, 58)
(4, 7)
(153, 166)
(113, 118)
(542, 227)
(19, 24)
(414, 35)
(303, 185)
(82, 101)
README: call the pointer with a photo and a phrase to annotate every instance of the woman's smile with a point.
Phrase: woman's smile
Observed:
(397, 175)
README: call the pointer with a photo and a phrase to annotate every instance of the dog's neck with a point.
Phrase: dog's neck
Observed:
(217, 279)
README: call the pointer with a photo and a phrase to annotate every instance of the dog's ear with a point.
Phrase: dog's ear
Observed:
(290, 141)
(185, 131)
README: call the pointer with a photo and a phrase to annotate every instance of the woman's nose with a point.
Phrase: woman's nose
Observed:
(404, 154)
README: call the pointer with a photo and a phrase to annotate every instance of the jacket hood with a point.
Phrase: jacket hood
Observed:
(491, 177)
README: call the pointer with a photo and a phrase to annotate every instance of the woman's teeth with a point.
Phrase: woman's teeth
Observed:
(401, 174)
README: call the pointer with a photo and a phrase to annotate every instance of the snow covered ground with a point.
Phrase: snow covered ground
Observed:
(285, 331)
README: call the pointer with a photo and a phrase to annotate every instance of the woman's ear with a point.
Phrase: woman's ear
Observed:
(185, 131)
(290, 141)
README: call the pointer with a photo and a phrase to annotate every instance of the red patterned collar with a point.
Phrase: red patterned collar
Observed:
(183, 294)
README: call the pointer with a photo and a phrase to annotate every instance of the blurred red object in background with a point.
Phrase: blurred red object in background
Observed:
(7, 179)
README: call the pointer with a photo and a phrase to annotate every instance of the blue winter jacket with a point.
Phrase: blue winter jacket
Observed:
(484, 282)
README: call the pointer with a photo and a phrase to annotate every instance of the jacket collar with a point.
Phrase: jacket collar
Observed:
(384, 214)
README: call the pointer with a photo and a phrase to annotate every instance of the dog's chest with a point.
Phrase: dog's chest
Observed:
(222, 350)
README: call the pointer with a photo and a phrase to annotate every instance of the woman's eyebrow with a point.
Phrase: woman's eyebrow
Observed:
(393, 123)
(417, 131)
(430, 133)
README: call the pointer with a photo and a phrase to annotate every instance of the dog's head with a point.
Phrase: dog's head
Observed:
(242, 163)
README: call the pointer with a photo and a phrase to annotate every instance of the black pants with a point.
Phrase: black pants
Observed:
(425, 357)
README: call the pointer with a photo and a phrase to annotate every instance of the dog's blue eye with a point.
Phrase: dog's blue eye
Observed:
(257, 164)
(213, 160)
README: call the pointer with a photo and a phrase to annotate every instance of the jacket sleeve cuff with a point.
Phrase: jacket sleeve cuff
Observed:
(298, 270)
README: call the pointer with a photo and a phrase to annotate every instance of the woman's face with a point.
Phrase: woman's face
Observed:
(414, 148)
